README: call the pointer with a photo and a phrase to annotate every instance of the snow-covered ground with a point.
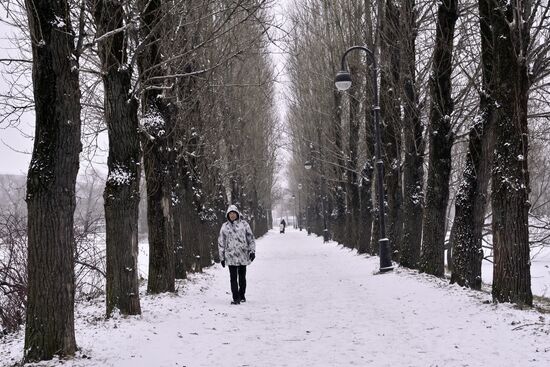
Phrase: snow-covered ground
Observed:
(310, 304)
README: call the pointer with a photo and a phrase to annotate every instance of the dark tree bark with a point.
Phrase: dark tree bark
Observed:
(391, 131)
(180, 248)
(188, 227)
(375, 236)
(365, 189)
(353, 212)
(471, 200)
(441, 140)
(510, 178)
(337, 225)
(158, 128)
(121, 195)
(413, 171)
(51, 179)
(466, 233)
(365, 222)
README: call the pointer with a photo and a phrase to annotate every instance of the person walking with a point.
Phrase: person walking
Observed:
(237, 248)
(282, 226)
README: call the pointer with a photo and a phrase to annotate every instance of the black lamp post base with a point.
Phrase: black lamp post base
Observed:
(385, 257)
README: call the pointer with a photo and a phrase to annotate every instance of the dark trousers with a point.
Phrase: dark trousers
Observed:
(238, 287)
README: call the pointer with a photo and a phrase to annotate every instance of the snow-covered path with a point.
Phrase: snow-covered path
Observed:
(312, 304)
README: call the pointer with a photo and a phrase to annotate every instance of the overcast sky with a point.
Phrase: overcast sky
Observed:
(15, 148)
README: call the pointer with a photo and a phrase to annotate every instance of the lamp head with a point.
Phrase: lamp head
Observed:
(343, 80)
(308, 165)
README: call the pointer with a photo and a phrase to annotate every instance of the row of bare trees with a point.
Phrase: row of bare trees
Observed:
(184, 90)
(464, 100)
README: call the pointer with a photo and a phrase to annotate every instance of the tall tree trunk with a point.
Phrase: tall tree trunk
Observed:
(365, 222)
(375, 237)
(413, 170)
(441, 141)
(391, 131)
(466, 233)
(158, 128)
(121, 195)
(51, 180)
(365, 190)
(338, 192)
(188, 226)
(353, 212)
(180, 247)
(471, 201)
(510, 188)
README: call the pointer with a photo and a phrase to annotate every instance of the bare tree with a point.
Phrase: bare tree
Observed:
(390, 65)
(122, 187)
(157, 130)
(413, 170)
(51, 182)
(13, 264)
(441, 139)
(466, 233)
(510, 24)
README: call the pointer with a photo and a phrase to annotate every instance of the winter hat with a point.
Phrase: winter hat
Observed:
(233, 208)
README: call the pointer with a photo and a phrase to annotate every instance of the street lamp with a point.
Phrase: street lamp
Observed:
(343, 82)
(308, 165)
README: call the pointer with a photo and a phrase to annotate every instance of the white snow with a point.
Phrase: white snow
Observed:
(58, 22)
(310, 304)
(154, 123)
(119, 175)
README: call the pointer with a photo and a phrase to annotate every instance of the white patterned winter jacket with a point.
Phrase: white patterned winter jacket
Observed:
(236, 241)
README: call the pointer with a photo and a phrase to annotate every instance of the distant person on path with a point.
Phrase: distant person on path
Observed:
(237, 248)
(282, 226)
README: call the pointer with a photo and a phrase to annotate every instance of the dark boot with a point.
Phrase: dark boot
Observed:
(242, 282)
(233, 276)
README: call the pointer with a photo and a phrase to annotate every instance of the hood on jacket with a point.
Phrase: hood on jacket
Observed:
(232, 208)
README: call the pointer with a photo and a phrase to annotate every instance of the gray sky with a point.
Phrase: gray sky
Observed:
(15, 147)
(279, 57)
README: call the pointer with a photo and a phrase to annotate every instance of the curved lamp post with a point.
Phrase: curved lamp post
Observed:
(343, 82)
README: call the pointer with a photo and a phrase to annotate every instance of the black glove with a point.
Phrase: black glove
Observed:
(252, 256)
(223, 263)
